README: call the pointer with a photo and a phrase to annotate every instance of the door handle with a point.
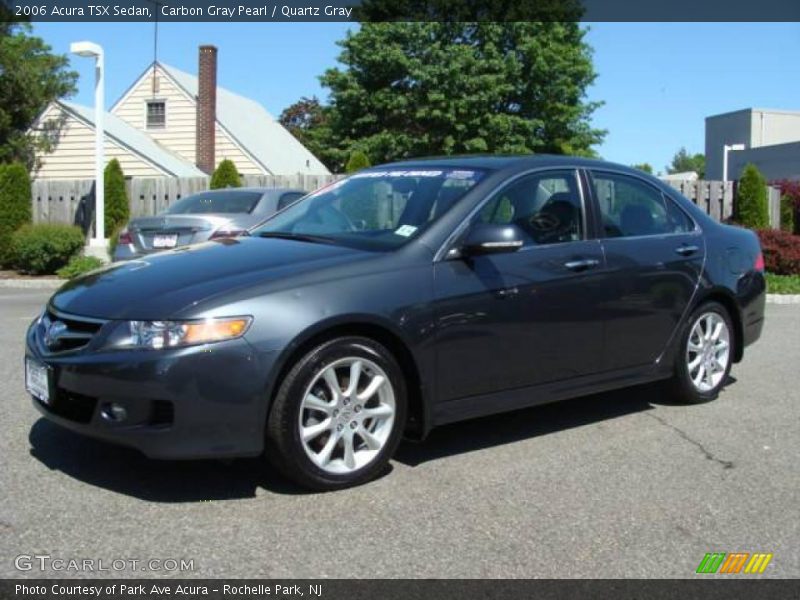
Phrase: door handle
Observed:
(686, 250)
(582, 265)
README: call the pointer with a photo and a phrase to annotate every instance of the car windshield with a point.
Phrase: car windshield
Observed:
(216, 202)
(373, 210)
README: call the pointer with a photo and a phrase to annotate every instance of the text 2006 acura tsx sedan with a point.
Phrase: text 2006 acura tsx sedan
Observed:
(403, 297)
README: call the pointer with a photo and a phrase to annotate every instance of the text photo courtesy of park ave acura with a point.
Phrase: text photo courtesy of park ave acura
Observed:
(420, 299)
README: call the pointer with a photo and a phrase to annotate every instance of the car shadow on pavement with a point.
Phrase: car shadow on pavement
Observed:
(510, 427)
(129, 472)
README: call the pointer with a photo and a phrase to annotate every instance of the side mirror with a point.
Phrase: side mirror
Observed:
(490, 238)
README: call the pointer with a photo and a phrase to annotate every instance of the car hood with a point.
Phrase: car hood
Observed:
(162, 285)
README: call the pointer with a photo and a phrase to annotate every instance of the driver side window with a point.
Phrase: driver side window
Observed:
(547, 208)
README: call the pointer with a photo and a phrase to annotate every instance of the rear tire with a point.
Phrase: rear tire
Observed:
(705, 355)
(338, 415)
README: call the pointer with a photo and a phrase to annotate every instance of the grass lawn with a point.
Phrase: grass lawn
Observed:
(783, 284)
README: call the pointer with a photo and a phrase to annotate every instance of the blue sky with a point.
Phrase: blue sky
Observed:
(658, 80)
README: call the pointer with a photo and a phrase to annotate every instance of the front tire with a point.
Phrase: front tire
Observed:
(338, 415)
(705, 356)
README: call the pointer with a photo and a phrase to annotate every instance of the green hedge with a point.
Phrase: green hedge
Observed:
(78, 265)
(15, 206)
(358, 160)
(43, 249)
(225, 176)
(751, 199)
(117, 206)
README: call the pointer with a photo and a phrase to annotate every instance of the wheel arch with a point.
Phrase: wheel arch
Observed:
(419, 419)
(724, 297)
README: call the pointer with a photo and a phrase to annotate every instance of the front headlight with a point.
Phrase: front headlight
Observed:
(173, 334)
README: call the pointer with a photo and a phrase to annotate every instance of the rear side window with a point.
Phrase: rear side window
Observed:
(545, 206)
(288, 198)
(223, 202)
(630, 207)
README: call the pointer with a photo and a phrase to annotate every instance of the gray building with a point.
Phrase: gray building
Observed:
(771, 139)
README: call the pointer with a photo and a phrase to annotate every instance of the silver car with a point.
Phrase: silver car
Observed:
(201, 217)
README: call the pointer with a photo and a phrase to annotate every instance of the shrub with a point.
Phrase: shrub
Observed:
(787, 213)
(78, 265)
(117, 205)
(358, 160)
(781, 251)
(790, 189)
(15, 206)
(225, 176)
(751, 199)
(43, 249)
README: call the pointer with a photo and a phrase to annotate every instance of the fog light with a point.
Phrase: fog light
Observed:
(113, 412)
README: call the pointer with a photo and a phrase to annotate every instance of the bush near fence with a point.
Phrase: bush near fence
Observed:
(781, 251)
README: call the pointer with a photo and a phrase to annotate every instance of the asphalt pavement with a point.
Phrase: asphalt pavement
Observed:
(624, 484)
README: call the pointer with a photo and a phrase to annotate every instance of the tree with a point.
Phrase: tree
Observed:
(646, 167)
(751, 199)
(225, 176)
(358, 160)
(409, 89)
(15, 205)
(117, 205)
(30, 77)
(683, 162)
(307, 120)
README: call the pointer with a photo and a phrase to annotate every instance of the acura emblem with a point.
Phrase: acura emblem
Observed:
(53, 333)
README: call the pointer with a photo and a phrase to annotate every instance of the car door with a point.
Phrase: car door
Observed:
(654, 253)
(518, 319)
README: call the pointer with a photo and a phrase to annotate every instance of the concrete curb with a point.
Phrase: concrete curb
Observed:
(52, 284)
(36, 284)
(783, 298)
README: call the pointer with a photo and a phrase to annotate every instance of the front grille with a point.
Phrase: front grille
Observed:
(72, 406)
(64, 333)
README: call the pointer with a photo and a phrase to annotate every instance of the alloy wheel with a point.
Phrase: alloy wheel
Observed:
(346, 415)
(708, 351)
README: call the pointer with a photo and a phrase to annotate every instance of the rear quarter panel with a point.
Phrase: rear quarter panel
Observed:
(730, 270)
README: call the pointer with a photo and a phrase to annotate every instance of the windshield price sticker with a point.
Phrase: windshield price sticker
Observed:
(405, 230)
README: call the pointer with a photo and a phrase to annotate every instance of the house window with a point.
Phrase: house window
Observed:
(156, 114)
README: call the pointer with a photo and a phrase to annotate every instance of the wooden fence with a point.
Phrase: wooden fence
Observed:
(716, 198)
(56, 201)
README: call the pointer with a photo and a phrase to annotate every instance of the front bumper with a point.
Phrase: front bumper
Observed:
(198, 402)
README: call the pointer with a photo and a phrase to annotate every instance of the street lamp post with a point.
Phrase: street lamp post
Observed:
(90, 49)
(725, 149)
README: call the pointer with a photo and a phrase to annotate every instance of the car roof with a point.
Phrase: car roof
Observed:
(260, 190)
(499, 162)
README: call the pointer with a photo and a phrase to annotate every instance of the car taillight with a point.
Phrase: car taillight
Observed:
(228, 233)
(125, 237)
(759, 264)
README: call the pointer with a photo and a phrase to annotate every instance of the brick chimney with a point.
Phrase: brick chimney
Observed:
(206, 108)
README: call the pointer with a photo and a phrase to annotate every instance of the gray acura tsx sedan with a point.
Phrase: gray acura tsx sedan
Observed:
(400, 298)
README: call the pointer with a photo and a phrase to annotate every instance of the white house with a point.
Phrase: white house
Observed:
(173, 123)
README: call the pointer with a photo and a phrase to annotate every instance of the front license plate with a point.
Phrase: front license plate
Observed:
(165, 241)
(37, 380)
